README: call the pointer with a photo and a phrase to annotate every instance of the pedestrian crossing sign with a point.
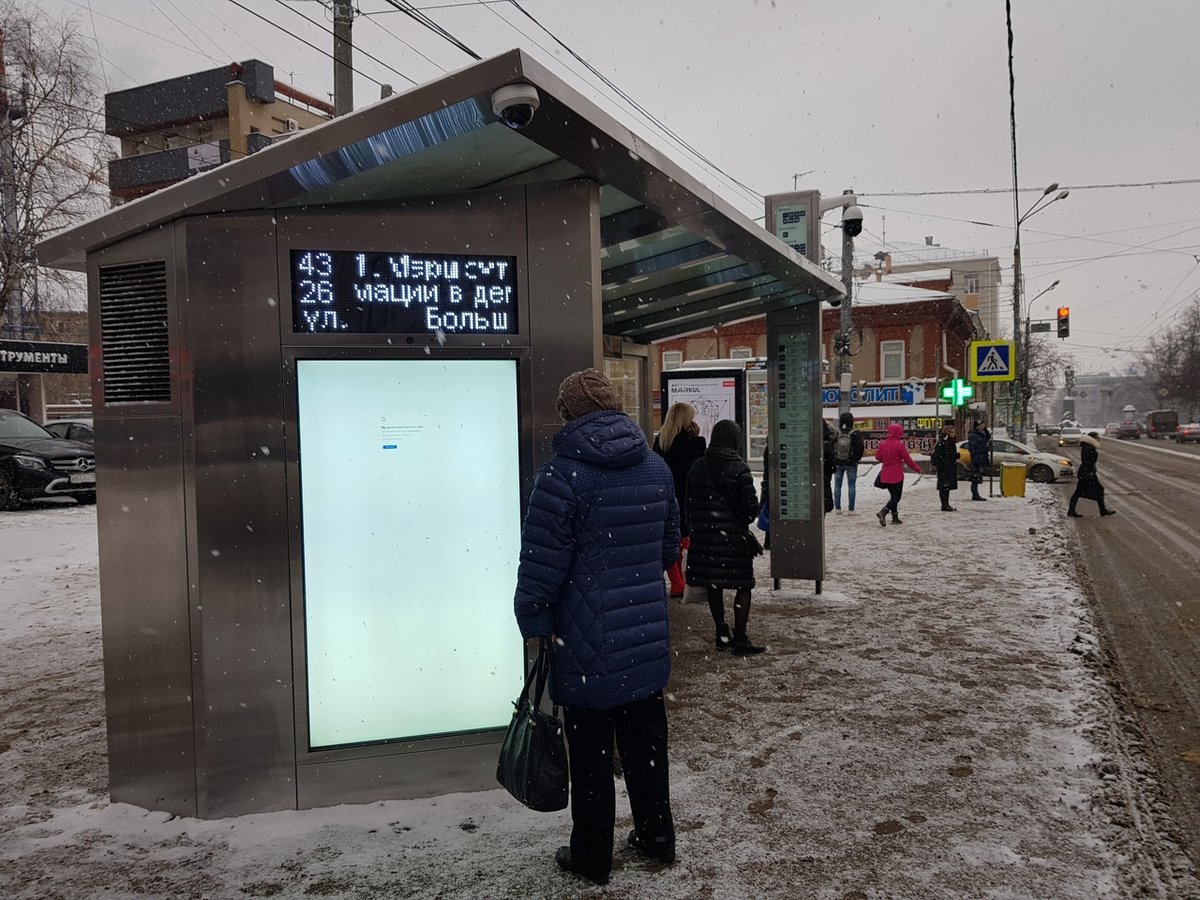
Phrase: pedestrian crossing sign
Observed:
(993, 361)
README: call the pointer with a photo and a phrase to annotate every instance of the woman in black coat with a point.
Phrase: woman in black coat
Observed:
(679, 443)
(721, 505)
(1087, 481)
(945, 463)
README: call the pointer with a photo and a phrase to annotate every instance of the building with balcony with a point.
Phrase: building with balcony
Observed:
(172, 129)
(971, 276)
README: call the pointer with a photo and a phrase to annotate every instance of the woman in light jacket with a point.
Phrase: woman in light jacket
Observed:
(892, 457)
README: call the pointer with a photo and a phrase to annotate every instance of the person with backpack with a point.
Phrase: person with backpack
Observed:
(847, 454)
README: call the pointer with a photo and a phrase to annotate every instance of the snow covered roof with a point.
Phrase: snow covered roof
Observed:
(879, 293)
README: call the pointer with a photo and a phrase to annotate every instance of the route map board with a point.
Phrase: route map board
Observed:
(715, 394)
(795, 473)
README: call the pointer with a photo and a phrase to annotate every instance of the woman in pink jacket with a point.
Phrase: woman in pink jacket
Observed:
(892, 457)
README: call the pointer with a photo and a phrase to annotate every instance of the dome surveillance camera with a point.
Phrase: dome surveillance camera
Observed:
(515, 104)
(852, 219)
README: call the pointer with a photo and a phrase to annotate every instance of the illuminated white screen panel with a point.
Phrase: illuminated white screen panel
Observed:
(410, 495)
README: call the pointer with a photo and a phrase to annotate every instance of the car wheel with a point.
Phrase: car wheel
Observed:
(8, 493)
(1041, 474)
(86, 499)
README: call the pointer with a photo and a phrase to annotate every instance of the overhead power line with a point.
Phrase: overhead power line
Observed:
(417, 16)
(357, 49)
(1036, 190)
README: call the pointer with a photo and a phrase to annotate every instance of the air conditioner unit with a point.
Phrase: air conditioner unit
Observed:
(291, 125)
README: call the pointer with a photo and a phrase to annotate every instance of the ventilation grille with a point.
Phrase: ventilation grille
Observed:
(133, 333)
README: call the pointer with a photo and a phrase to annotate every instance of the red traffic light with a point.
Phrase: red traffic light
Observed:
(1064, 321)
(1064, 311)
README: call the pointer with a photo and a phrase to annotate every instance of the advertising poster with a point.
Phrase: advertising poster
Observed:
(410, 507)
(713, 396)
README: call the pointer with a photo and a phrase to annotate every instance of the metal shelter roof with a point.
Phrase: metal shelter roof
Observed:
(674, 257)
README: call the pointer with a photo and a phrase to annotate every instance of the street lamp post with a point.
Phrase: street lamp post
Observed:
(1023, 360)
(1019, 404)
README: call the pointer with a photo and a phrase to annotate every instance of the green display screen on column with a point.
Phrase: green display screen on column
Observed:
(794, 406)
(410, 507)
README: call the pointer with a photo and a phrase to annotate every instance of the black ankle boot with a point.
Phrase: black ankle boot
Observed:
(1073, 514)
(742, 646)
(896, 520)
(660, 848)
(723, 641)
(566, 861)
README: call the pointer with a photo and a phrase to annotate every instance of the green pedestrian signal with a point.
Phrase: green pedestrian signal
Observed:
(957, 392)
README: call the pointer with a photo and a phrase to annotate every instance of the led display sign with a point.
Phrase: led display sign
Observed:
(355, 292)
(411, 515)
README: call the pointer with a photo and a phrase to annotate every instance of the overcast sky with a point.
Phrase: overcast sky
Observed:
(886, 98)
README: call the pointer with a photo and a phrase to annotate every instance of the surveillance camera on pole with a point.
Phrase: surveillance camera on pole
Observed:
(852, 226)
(852, 219)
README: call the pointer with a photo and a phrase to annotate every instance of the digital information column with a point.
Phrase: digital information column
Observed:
(794, 434)
(411, 516)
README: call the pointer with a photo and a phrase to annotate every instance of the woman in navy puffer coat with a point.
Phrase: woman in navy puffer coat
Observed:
(601, 528)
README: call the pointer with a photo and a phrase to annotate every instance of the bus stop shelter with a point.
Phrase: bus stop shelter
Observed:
(323, 377)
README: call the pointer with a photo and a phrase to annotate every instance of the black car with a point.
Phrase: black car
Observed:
(34, 464)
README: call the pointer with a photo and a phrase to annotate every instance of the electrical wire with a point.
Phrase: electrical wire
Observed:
(1169, 182)
(370, 17)
(355, 47)
(666, 129)
(175, 25)
(417, 16)
(297, 37)
(225, 53)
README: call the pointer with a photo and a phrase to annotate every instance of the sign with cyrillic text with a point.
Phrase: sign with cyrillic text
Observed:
(356, 292)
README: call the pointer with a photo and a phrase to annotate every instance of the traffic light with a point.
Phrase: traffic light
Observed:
(1064, 321)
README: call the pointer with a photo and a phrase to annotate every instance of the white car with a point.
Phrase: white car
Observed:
(1040, 467)
(1069, 435)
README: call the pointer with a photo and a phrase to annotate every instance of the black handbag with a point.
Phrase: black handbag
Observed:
(533, 756)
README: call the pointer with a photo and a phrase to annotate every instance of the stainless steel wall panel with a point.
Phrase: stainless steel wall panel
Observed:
(241, 604)
(142, 541)
(444, 771)
(144, 612)
(564, 291)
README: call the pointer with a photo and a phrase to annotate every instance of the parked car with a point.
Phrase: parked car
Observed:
(1112, 428)
(1070, 434)
(1045, 428)
(72, 429)
(1040, 467)
(1129, 430)
(35, 464)
(1188, 432)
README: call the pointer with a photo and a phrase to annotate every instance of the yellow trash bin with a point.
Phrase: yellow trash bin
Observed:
(1012, 479)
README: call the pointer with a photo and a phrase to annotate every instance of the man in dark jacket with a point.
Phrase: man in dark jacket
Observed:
(847, 454)
(979, 444)
(601, 528)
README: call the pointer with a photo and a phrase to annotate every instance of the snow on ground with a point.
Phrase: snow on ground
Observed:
(933, 724)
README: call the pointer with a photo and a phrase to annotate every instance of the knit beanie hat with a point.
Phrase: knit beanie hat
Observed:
(586, 391)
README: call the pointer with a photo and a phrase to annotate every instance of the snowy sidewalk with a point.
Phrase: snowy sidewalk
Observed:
(932, 725)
